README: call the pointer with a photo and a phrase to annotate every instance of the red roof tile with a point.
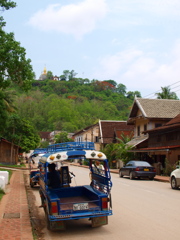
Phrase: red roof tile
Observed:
(109, 128)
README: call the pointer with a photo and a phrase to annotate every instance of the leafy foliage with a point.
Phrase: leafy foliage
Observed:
(74, 104)
(14, 67)
(166, 94)
(62, 137)
(21, 132)
(5, 5)
(118, 151)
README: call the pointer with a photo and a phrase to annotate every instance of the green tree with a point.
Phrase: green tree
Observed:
(123, 152)
(62, 137)
(125, 138)
(49, 75)
(6, 4)
(166, 94)
(44, 144)
(65, 75)
(118, 151)
(131, 95)
(22, 133)
(68, 75)
(121, 88)
(14, 67)
(8, 99)
(3, 114)
(111, 82)
(110, 152)
(72, 75)
(6, 107)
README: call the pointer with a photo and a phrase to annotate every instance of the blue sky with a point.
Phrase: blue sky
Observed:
(133, 42)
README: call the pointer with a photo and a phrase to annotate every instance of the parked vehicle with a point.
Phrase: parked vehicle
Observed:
(66, 202)
(175, 178)
(34, 178)
(34, 159)
(139, 169)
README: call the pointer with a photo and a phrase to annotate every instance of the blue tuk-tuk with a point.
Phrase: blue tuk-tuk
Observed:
(67, 202)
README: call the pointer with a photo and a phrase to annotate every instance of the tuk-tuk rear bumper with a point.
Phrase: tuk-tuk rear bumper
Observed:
(81, 215)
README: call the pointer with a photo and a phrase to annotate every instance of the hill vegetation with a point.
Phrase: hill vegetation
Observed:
(74, 104)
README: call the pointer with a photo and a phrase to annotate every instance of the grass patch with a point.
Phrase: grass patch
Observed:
(1, 193)
(21, 165)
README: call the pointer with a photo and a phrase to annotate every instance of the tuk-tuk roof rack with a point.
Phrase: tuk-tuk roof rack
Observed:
(58, 147)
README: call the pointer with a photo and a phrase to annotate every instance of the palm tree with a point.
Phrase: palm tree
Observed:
(166, 94)
(7, 97)
(125, 138)
(116, 151)
(6, 107)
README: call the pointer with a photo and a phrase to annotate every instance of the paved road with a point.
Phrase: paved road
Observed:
(142, 209)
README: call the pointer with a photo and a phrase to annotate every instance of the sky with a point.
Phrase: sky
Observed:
(133, 42)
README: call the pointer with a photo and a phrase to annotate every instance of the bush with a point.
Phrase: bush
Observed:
(168, 168)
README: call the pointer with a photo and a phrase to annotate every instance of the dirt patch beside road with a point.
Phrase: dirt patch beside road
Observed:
(36, 222)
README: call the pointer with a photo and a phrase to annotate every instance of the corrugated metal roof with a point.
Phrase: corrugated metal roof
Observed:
(135, 141)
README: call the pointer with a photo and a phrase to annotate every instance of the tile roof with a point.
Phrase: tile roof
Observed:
(108, 128)
(85, 129)
(45, 135)
(175, 120)
(156, 108)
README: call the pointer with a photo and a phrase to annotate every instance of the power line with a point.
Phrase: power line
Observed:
(175, 87)
(161, 89)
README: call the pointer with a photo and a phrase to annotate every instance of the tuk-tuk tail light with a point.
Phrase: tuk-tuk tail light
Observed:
(54, 208)
(104, 204)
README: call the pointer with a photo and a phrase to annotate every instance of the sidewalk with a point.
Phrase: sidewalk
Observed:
(14, 213)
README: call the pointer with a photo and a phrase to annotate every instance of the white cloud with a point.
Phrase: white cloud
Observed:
(137, 71)
(112, 65)
(76, 19)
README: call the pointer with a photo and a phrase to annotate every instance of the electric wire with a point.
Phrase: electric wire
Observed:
(153, 95)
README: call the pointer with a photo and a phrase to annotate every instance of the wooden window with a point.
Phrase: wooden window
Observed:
(158, 125)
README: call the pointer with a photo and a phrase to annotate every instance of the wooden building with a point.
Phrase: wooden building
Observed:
(6, 148)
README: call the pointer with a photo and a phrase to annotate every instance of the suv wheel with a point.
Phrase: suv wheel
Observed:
(173, 183)
(131, 175)
(120, 174)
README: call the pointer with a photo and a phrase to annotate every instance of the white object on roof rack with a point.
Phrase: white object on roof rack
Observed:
(65, 155)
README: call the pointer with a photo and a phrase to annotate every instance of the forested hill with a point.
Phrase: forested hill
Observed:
(72, 105)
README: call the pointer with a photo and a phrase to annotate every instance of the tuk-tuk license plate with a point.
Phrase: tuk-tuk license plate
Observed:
(146, 169)
(80, 206)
